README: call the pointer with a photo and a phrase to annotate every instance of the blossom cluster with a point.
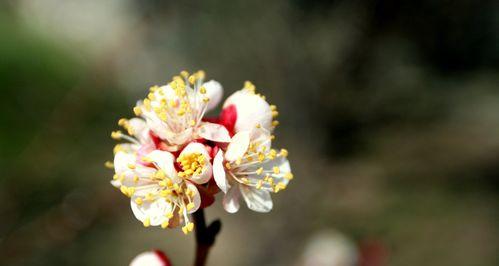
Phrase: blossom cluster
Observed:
(173, 160)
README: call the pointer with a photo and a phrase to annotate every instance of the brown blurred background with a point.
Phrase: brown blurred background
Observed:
(390, 111)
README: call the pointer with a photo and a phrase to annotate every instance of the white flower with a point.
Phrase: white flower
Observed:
(151, 258)
(249, 110)
(252, 170)
(174, 112)
(159, 194)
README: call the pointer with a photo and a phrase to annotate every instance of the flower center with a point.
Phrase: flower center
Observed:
(191, 164)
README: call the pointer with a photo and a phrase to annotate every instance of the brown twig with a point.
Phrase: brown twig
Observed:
(205, 236)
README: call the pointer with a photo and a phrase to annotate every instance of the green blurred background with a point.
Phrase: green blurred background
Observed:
(390, 111)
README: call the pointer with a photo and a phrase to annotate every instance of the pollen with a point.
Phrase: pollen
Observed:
(191, 164)
(137, 111)
(288, 176)
(109, 164)
(276, 170)
(139, 201)
(165, 224)
(147, 222)
(190, 206)
(116, 134)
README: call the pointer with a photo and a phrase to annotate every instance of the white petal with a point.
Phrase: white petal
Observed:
(256, 199)
(281, 162)
(238, 146)
(149, 258)
(214, 132)
(251, 110)
(214, 92)
(195, 147)
(219, 172)
(196, 199)
(205, 175)
(154, 211)
(231, 199)
(165, 161)
(140, 130)
(122, 161)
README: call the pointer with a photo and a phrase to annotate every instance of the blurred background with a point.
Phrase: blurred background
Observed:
(389, 109)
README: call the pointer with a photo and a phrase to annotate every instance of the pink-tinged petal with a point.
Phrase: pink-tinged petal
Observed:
(219, 172)
(231, 199)
(256, 199)
(151, 258)
(228, 118)
(237, 146)
(196, 198)
(213, 132)
(214, 92)
(251, 109)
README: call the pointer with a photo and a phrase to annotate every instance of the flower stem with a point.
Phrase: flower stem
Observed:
(205, 236)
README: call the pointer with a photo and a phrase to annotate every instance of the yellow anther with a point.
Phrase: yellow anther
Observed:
(259, 184)
(270, 180)
(245, 180)
(151, 96)
(147, 222)
(131, 191)
(160, 174)
(273, 107)
(192, 163)
(288, 176)
(185, 230)
(116, 134)
(139, 201)
(276, 170)
(184, 73)
(261, 157)
(109, 164)
(165, 224)
(192, 79)
(259, 171)
(281, 185)
(275, 123)
(227, 165)
(190, 226)
(200, 74)
(131, 166)
(275, 113)
(238, 161)
(169, 215)
(137, 110)
(122, 122)
(283, 153)
(202, 90)
(192, 123)
(117, 148)
(206, 99)
(190, 206)
(165, 193)
(258, 126)
(115, 177)
(136, 179)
